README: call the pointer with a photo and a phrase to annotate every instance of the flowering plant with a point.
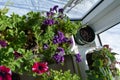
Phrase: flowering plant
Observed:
(30, 42)
(101, 63)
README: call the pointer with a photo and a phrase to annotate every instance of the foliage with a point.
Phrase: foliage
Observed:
(100, 67)
(34, 37)
(59, 75)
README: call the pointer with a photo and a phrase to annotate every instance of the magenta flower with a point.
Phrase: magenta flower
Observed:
(3, 43)
(5, 73)
(40, 67)
(78, 57)
(17, 55)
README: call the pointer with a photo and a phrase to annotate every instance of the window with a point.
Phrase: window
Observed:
(112, 37)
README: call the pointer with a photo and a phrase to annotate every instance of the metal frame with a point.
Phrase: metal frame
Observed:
(88, 12)
(93, 9)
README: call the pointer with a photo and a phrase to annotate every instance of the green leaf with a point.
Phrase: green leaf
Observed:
(10, 50)
(98, 63)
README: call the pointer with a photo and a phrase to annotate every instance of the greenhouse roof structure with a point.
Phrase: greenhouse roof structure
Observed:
(78, 7)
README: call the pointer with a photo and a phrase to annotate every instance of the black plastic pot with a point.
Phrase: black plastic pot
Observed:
(84, 36)
(90, 61)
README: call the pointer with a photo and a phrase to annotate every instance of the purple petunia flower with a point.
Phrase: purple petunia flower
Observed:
(45, 46)
(50, 14)
(49, 22)
(61, 10)
(65, 39)
(58, 58)
(78, 57)
(54, 41)
(70, 41)
(51, 9)
(61, 35)
(58, 38)
(3, 43)
(60, 50)
(62, 59)
(55, 8)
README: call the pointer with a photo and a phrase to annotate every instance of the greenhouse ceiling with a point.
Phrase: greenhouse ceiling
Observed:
(74, 9)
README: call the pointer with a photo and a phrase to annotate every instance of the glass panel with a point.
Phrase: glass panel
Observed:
(112, 37)
(23, 6)
(75, 9)
(80, 8)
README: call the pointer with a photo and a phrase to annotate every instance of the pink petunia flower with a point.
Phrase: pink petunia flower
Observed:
(107, 46)
(5, 73)
(40, 67)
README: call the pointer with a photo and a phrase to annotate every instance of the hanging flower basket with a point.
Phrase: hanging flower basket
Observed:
(84, 35)
(29, 43)
(99, 62)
